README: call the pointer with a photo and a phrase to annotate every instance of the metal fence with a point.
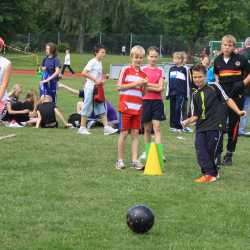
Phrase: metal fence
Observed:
(114, 42)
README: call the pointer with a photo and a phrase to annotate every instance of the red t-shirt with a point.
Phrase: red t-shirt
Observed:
(154, 75)
(130, 100)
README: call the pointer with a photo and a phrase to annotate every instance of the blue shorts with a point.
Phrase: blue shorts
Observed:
(89, 105)
(49, 89)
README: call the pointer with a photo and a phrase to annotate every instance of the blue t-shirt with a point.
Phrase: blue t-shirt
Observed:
(210, 75)
(51, 63)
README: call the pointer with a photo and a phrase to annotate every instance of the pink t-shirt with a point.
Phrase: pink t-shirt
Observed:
(154, 75)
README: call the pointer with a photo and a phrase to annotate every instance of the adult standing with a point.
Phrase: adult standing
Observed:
(5, 72)
(244, 120)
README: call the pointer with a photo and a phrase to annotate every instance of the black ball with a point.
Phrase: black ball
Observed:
(140, 219)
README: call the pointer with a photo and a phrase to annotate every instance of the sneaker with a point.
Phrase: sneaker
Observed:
(83, 131)
(137, 165)
(175, 130)
(246, 134)
(90, 124)
(187, 130)
(172, 129)
(227, 161)
(143, 156)
(108, 130)
(205, 179)
(23, 123)
(120, 165)
(14, 124)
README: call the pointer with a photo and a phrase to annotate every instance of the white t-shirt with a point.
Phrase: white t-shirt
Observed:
(67, 59)
(226, 59)
(4, 63)
(94, 67)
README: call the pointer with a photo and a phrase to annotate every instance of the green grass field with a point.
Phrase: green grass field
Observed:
(61, 191)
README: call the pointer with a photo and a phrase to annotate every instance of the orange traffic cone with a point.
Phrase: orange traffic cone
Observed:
(153, 165)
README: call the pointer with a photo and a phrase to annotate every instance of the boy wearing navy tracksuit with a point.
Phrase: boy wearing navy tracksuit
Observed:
(177, 91)
(206, 113)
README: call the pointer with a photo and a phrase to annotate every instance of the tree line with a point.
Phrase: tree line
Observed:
(188, 20)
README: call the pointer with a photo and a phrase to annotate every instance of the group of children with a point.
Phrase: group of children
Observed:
(141, 93)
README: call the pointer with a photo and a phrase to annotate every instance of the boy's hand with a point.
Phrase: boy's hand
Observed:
(141, 83)
(242, 113)
(183, 123)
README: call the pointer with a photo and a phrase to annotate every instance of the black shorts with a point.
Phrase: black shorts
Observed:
(153, 110)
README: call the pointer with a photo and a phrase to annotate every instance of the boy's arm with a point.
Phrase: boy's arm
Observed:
(137, 84)
(68, 88)
(5, 81)
(189, 120)
(61, 117)
(232, 105)
(39, 119)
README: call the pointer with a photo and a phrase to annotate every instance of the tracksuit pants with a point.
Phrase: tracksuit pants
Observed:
(69, 67)
(177, 106)
(232, 121)
(206, 144)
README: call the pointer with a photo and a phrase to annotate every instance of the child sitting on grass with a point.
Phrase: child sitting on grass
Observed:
(47, 113)
(206, 113)
(131, 84)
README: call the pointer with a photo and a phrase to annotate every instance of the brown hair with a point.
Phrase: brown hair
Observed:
(153, 48)
(32, 95)
(199, 68)
(52, 49)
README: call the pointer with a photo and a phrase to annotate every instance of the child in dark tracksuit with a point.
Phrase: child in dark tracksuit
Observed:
(206, 114)
(177, 91)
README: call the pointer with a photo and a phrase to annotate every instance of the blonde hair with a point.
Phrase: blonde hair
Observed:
(229, 38)
(45, 98)
(137, 50)
(14, 89)
(179, 55)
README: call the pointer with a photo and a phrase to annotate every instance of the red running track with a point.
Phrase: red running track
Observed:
(32, 72)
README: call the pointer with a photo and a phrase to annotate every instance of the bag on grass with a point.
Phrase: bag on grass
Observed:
(75, 120)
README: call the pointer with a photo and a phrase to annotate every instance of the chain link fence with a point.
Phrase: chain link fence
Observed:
(85, 42)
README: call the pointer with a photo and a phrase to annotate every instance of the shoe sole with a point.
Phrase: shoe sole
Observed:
(138, 169)
(111, 133)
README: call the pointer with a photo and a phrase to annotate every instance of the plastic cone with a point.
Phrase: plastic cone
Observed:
(160, 153)
(153, 166)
